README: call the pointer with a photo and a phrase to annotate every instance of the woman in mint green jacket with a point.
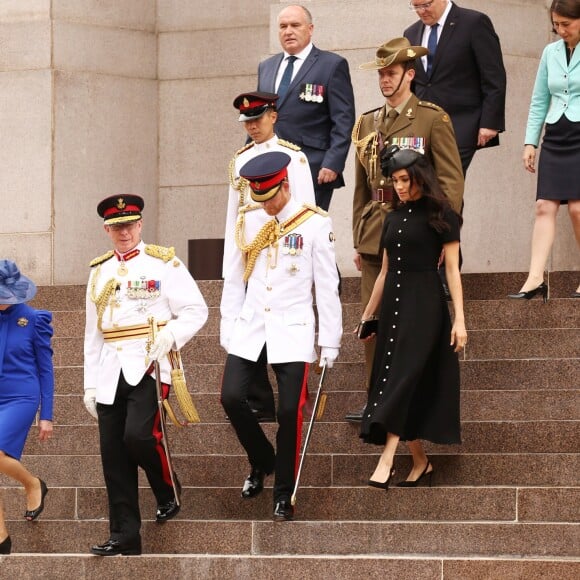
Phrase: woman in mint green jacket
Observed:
(555, 102)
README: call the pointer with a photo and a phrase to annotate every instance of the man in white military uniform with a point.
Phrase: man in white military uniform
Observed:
(258, 114)
(127, 286)
(274, 318)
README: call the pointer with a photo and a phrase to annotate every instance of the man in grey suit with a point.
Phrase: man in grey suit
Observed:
(316, 100)
(464, 72)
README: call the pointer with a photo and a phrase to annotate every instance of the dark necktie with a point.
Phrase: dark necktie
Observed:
(287, 76)
(391, 116)
(432, 47)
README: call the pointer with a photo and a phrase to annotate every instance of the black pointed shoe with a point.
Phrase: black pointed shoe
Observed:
(6, 546)
(254, 483)
(283, 511)
(169, 510)
(355, 416)
(117, 547)
(31, 515)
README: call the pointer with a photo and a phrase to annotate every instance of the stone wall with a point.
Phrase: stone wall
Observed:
(99, 97)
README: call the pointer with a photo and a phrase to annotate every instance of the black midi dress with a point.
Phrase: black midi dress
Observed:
(415, 379)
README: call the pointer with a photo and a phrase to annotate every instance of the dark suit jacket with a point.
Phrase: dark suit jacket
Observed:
(468, 78)
(321, 129)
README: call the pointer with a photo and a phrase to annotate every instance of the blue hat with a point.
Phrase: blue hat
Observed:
(14, 287)
(265, 174)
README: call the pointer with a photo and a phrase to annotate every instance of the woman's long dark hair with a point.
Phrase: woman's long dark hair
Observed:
(423, 174)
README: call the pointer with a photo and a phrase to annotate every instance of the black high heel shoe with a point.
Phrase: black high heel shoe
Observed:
(542, 289)
(6, 546)
(31, 515)
(415, 482)
(382, 484)
(576, 294)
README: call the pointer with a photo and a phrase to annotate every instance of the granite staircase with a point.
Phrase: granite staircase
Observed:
(505, 504)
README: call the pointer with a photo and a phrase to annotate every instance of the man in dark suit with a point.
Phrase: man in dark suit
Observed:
(316, 100)
(464, 72)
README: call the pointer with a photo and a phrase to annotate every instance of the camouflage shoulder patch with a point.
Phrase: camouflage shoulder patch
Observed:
(430, 105)
(288, 144)
(100, 259)
(160, 252)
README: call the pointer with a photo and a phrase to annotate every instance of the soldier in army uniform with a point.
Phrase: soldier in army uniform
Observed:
(405, 121)
(258, 114)
(128, 286)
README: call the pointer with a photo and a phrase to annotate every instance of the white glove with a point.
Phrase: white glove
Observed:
(162, 345)
(90, 401)
(329, 354)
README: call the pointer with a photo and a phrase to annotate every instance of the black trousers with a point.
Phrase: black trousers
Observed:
(239, 374)
(130, 437)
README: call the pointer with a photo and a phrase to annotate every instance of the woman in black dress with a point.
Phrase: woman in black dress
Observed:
(555, 107)
(415, 379)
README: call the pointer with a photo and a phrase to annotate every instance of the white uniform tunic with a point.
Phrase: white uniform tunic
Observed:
(299, 178)
(277, 307)
(174, 298)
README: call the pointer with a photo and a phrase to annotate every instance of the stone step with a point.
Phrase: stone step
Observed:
(250, 567)
(479, 315)
(329, 470)
(339, 438)
(513, 375)
(302, 538)
(482, 345)
(492, 286)
(489, 405)
(436, 504)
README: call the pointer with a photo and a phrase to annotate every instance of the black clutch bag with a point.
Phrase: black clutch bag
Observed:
(367, 327)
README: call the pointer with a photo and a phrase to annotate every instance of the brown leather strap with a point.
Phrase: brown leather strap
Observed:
(383, 194)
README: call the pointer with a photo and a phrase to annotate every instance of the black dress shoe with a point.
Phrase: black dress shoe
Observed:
(355, 416)
(283, 511)
(169, 510)
(31, 515)
(116, 547)
(254, 483)
(6, 546)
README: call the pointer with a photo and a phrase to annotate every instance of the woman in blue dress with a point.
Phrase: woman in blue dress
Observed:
(415, 377)
(26, 383)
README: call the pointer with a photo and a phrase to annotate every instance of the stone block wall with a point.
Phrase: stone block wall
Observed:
(100, 97)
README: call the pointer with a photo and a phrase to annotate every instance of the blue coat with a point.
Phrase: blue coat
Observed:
(26, 374)
(321, 129)
(556, 91)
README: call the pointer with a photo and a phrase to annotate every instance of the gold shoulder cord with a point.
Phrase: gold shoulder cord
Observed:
(268, 235)
(361, 146)
(102, 300)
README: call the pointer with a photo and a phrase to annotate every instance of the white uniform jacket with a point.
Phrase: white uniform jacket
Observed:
(276, 309)
(299, 178)
(173, 296)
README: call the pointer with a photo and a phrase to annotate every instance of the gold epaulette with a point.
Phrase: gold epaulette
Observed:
(430, 105)
(244, 148)
(101, 259)
(317, 209)
(160, 252)
(288, 144)
(249, 207)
